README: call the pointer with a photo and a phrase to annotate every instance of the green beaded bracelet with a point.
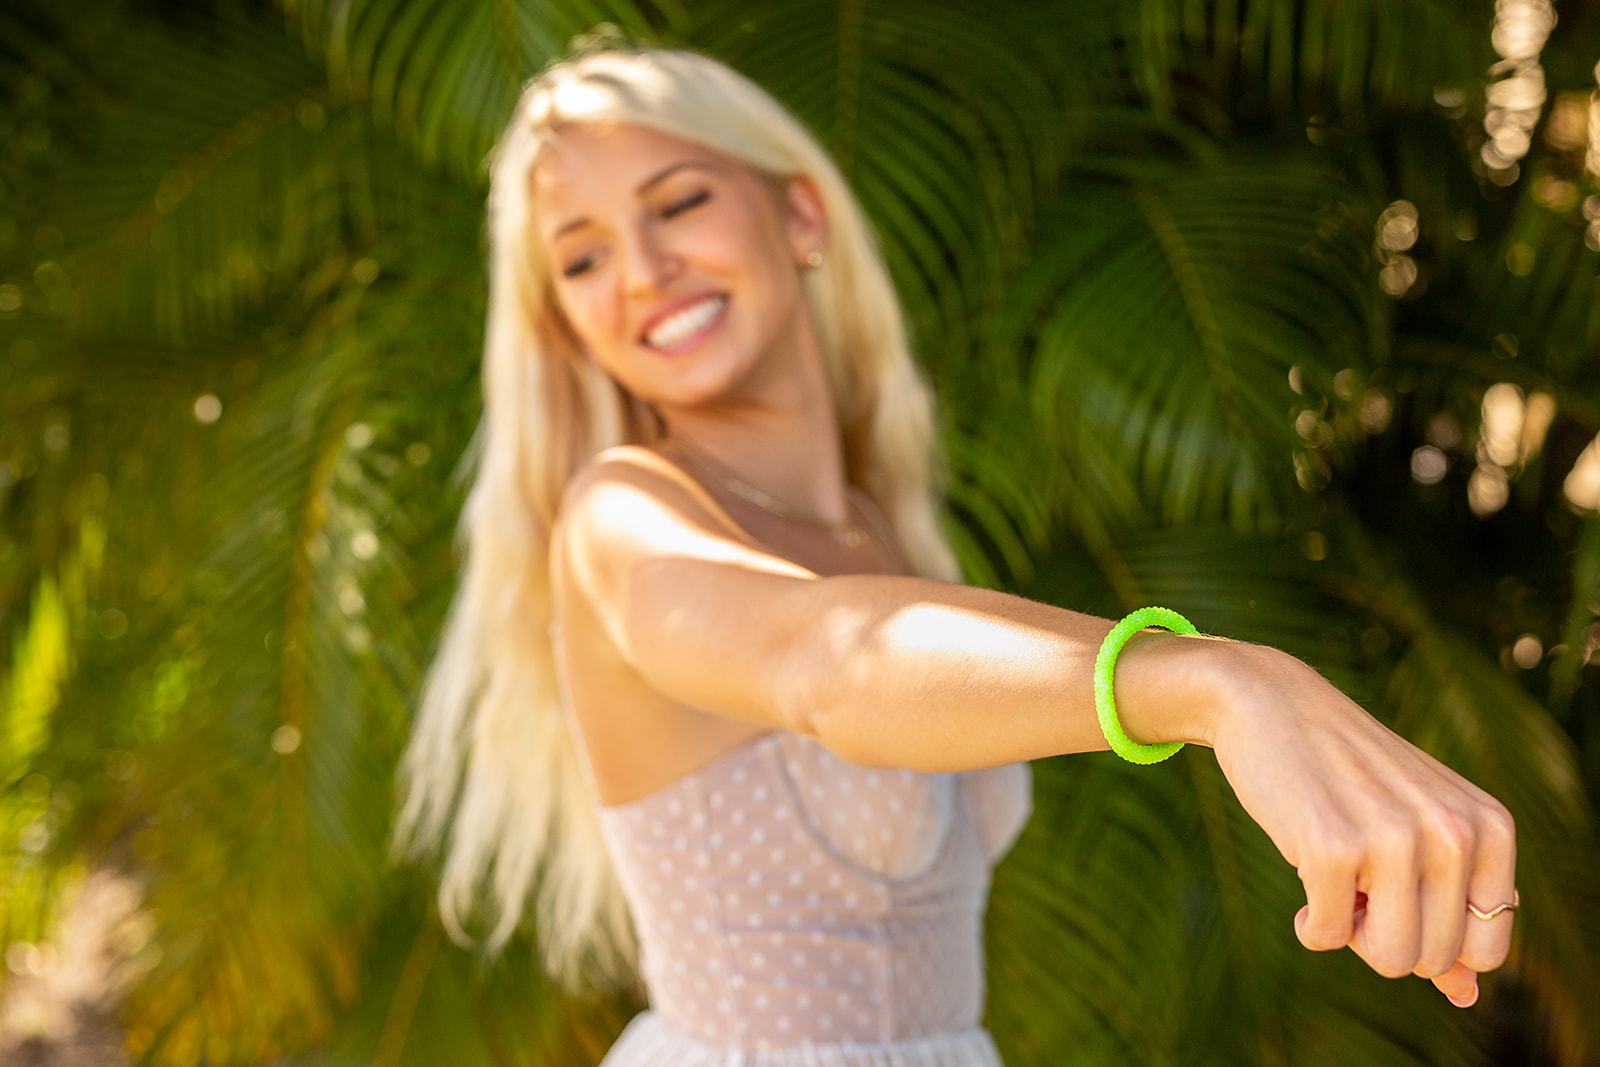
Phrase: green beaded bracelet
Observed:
(1104, 666)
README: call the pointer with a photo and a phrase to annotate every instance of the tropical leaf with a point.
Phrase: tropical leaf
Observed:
(950, 126)
(443, 76)
(1169, 311)
(1462, 707)
(240, 298)
(1350, 62)
(1577, 631)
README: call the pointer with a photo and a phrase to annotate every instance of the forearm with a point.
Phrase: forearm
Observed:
(937, 677)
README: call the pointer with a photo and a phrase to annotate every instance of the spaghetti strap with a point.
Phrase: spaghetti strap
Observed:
(698, 491)
(864, 503)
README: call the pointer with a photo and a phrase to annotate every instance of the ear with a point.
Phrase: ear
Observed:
(807, 218)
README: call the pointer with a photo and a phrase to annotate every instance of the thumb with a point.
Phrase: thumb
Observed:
(1317, 944)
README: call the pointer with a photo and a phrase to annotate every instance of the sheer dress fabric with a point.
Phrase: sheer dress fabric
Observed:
(794, 908)
(798, 910)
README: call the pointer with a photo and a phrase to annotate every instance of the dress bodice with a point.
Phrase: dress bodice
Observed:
(785, 897)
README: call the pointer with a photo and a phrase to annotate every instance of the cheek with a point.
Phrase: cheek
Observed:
(731, 239)
(758, 255)
(588, 316)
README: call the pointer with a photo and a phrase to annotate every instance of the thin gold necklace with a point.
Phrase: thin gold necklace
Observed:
(854, 535)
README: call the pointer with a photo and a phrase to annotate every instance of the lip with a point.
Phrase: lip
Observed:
(677, 305)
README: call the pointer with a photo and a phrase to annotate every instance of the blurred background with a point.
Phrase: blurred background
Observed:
(1283, 314)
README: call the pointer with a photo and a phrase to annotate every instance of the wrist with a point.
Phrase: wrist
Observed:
(1237, 667)
(1177, 687)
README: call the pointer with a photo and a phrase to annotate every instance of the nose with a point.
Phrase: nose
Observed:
(647, 266)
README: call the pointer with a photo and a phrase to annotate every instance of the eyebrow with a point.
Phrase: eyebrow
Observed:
(660, 175)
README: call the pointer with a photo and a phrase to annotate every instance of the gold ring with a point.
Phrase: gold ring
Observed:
(1516, 898)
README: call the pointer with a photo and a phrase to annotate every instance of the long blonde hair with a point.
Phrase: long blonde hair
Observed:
(491, 724)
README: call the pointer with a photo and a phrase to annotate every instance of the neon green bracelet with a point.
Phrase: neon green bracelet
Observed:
(1106, 663)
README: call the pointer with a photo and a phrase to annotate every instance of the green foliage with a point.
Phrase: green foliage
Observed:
(241, 291)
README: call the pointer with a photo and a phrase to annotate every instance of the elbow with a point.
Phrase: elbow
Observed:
(823, 660)
(802, 695)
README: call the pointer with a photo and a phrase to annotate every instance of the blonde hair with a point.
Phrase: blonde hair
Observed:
(491, 723)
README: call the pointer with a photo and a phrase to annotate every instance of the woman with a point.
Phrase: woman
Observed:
(770, 730)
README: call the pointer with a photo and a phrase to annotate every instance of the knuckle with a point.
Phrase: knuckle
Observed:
(1483, 959)
(1390, 969)
(1499, 825)
(1336, 851)
(1393, 839)
(1433, 966)
(1451, 832)
(1393, 966)
(1323, 939)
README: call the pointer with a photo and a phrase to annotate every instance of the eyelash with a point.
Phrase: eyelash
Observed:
(669, 212)
(694, 200)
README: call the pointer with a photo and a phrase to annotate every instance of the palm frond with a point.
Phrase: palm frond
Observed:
(280, 228)
(1459, 704)
(1168, 314)
(1347, 62)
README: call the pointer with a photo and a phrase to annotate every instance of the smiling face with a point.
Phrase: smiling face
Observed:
(638, 225)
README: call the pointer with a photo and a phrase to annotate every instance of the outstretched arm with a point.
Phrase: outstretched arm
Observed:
(1389, 843)
(889, 670)
(933, 676)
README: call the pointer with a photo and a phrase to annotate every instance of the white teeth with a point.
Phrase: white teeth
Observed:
(683, 323)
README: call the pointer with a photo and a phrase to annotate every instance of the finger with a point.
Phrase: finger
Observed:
(1486, 943)
(1459, 983)
(1448, 857)
(1328, 919)
(1388, 935)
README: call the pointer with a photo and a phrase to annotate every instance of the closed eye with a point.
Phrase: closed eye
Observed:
(685, 204)
(668, 212)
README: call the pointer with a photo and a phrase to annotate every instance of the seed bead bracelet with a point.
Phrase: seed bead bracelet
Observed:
(1105, 665)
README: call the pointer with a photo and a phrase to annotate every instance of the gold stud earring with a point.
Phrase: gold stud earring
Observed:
(814, 258)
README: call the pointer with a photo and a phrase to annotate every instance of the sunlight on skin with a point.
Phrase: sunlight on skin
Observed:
(929, 628)
(1307, 763)
(624, 508)
(1387, 841)
(1378, 784)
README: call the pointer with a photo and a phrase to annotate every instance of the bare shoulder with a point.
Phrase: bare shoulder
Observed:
(618, 458)
(632, 465)
(626, 462)
(635, 477)
(629, 506)
(609, 513)
(641, 571)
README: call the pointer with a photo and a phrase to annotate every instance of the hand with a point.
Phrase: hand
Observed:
(1389, 843)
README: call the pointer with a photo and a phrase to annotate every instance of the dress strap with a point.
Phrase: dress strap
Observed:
(678, 474)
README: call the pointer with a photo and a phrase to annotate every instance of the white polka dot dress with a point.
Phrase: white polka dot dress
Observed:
(797, 909)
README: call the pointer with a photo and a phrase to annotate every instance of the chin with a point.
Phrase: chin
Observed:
(704, 383)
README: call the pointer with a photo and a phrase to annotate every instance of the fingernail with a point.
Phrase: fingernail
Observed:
(1471, 999)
